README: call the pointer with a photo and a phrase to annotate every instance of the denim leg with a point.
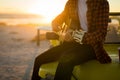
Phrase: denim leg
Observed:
(65, 67)
(72, 57)
(50, 55)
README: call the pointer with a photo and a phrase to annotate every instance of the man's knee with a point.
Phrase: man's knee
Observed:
(37, 59)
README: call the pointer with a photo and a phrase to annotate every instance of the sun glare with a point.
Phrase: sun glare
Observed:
(47, 8)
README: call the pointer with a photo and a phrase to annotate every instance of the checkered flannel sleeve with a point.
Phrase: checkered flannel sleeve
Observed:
(101, 24)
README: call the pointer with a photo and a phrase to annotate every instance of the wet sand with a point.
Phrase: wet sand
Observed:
(18, 50)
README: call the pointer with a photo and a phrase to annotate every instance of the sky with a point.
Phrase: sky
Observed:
(45, 8)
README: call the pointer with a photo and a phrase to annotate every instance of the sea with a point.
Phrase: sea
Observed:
(22, 19)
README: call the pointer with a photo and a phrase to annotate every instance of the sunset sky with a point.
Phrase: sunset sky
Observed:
(46, 8)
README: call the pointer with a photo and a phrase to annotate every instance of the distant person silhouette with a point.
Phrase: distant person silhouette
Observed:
(90, 16)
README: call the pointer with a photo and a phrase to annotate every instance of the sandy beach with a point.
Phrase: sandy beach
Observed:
(18, 50)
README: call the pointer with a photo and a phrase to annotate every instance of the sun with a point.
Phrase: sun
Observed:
(49, 9)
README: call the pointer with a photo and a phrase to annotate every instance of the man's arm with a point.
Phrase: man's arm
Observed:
(101, 22)
(60, 19)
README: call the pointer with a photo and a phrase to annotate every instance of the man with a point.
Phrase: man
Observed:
(90, 16)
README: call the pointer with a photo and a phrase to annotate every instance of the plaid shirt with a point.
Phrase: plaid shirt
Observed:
(97, 18)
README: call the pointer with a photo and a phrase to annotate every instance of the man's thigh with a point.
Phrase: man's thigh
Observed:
(55, 52)
(78, 54)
